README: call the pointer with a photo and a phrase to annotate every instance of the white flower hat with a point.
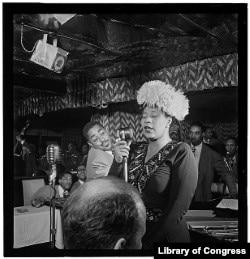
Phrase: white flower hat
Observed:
(164, 96)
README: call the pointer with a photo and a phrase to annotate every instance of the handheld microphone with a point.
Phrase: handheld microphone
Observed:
(125, 134)
(53, 155)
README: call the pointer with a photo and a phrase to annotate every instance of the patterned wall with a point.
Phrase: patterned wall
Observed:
(202, 74)
(113, 121)
(198, 75)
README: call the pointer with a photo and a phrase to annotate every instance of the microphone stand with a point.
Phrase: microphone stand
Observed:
(125, 168)
(125, 134)
(53, 229)
(125, 164)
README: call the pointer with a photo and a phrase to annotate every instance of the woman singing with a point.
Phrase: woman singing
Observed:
(164, 171)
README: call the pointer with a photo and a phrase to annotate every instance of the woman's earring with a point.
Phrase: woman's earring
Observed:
(169, 123)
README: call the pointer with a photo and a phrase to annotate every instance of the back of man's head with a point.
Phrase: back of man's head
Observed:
(104, 213)
(61, 174)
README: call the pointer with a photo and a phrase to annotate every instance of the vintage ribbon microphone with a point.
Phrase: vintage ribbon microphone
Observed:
(54, 155)
(126, 134)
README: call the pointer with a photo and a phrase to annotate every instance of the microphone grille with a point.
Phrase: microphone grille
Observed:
(54, 154)
(126, 133)
(58, 154)
(50, 154)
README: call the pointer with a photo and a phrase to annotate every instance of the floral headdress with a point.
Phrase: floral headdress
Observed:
(165, 97)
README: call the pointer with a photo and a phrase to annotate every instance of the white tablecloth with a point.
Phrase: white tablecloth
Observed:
(33, 227)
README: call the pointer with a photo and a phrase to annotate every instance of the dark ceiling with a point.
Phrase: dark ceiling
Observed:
(117, 45)
(104, 46)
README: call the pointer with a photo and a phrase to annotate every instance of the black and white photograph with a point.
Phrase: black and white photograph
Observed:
(124, 129)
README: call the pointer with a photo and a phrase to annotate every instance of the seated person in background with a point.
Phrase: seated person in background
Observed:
(104, 213)
(210, 138)
(231, 157)
(100, 157)
(81, 175)
(72, 158)
(210, 165)
(231, 163)
(47, 192)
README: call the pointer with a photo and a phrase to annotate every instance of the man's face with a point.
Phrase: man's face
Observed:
(231, 147)
(99, 138)
(195, 135)
(81, 173)
(66, 181)
(208, 133)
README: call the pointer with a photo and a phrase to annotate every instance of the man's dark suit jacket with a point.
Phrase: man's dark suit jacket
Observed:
(210, 163)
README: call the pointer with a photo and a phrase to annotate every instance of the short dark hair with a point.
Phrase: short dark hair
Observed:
(98, 221)
(197, 124)
(61, 174)
(88, 126)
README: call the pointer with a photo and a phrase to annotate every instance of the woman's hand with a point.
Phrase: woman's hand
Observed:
(120, 150)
